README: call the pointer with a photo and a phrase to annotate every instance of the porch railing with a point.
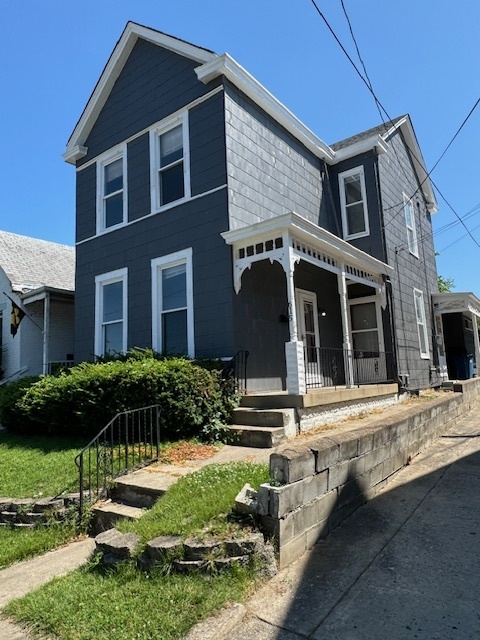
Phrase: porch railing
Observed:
(57, 366)
(325, 367)
(131, 439)
(235, 371)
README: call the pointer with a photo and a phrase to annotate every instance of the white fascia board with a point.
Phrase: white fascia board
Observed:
(75, 153)
(303, 228)
(113, 69)
(225, 65)
(42, 292)
(355, 149)
(418, 162)
(456, 302)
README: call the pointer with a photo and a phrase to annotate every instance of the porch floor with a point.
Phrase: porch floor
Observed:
(316, 397)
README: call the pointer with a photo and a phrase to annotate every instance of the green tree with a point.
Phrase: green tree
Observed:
(445, 285)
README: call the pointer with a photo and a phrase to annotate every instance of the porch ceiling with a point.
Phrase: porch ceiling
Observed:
(456, 303)
(291, 233)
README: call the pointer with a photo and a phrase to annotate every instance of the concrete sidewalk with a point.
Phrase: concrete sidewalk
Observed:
(404, 566)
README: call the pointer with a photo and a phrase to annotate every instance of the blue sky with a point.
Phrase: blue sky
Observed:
(422, 58)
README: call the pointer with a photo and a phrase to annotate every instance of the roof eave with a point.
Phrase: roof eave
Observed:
(112, 70)
(355, 149)
(225, 65)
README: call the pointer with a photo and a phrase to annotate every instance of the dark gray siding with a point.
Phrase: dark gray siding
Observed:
(86, 203)
(196, 224)
(396, 177)
(208, 164)
(258, 328)
(373, 243)
(269, 172)
(153, 84)
(138, 177)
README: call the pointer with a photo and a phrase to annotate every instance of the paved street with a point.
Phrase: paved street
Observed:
(405, 566)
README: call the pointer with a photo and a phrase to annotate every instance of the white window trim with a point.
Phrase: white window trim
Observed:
(343, 207)
(408, 202)
(378, 311)
(157, 131)
(102, 161)
(120, 275)
(157, 264)
(418, 296)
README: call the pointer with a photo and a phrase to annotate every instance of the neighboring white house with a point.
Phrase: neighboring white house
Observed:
(40, 277)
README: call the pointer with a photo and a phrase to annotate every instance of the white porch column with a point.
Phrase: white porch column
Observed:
(294, 355)
(477, 344)
(46, 331)
(347, 343)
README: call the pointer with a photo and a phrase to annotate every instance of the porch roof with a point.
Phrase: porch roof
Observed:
(461, 302)
(269, 240)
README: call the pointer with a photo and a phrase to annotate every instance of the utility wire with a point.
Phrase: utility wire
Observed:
(380, 106)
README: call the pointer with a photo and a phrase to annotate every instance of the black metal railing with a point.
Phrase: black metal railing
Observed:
(325, 367)
(131, 439)
(235, 371)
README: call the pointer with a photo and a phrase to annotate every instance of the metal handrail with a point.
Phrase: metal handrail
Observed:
(326, 367)
(236, 369)
(131, 439)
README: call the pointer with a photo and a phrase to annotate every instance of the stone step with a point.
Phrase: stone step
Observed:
(141, 489)
(259, 437)
(271, 401)
(261, 417)
(105, 515)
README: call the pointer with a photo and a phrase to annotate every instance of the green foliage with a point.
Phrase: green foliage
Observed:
(82, 400)
(10, 394)
(445, 285)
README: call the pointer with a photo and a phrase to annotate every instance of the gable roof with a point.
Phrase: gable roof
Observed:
(379, 137)
(30, 263)
(211, 66)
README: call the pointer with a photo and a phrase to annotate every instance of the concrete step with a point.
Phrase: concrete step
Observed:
(258, 437)
(271, 401)
(106, 514)
(141, 489)
(262, 417)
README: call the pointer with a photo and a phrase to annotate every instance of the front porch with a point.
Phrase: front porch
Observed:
(310, 308)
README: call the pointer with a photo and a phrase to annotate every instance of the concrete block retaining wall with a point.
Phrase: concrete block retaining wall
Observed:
(322, 483)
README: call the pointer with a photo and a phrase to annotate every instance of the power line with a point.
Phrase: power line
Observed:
(380, 106)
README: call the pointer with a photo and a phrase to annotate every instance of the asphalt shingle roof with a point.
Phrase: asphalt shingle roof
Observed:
(30, 263)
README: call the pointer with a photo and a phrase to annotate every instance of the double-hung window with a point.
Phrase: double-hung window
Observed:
(421, 323)
(353, 202)
(172, 304)
(111, 312)
(410, 222)
(111, 189)
(169, 162)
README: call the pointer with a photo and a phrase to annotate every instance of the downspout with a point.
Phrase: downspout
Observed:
(46, 331)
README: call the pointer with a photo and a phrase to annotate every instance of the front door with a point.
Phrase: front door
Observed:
(307, 313)
(369, 363)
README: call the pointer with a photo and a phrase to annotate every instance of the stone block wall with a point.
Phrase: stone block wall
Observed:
(315, 486)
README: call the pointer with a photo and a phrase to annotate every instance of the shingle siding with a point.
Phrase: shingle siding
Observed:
(269, 172)
(138, 176)
(398, 177)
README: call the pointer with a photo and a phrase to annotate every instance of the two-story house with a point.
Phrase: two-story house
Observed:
(210, 221)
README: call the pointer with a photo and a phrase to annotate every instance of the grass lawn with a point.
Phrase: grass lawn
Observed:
(123, 603)
(20, 544)
(36, 466)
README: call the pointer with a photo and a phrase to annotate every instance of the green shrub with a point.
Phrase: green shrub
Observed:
(10, 394)
(85, 398)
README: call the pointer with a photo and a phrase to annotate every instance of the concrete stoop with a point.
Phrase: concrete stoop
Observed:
(262, 427)
(129, 497)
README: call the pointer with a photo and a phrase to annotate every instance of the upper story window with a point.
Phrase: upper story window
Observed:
(111, 189)
(353, 202)
(170, 162)
(421, 323)
(111, 312)
(410, 222)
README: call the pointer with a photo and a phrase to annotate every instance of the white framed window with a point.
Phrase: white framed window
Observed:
(411, 229)
(353, 203)
(112, 189)
(421, 323)
(172, 304)
(170, 163)
(111, 312)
